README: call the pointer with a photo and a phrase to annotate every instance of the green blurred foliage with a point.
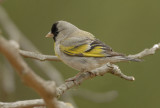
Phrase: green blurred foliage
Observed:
(128, 26)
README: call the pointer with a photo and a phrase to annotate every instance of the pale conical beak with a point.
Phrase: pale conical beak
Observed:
(49, 35)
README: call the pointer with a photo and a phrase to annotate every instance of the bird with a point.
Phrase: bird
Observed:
(81, 50)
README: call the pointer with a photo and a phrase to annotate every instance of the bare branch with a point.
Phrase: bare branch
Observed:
(44, 88)
(34, 55)
(37, 103)
(107, 68)
(23, 104)
(38, 56)
(116, 71)
(147, 52)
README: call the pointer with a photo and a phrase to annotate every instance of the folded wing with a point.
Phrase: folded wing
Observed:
(88, 48)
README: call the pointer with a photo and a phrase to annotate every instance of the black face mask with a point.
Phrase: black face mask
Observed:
(54, 30)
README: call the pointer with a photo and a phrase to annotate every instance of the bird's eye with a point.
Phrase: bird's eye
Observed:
(56, 33)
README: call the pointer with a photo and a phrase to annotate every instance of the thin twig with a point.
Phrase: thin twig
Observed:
(38, 56)
(108, 68)
(23, 104)
(147, 52)
(36, 103)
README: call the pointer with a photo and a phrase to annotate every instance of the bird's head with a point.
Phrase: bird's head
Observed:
(61, 29)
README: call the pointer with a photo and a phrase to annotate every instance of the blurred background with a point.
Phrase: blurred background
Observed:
(128, 26)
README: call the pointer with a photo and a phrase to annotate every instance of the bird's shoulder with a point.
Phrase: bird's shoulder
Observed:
(77, 38)
(84, 34)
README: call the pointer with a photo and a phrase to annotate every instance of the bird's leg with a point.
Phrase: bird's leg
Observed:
(75, 77)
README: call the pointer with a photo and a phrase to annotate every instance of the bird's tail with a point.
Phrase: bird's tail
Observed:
(132, 59)
(124, 58)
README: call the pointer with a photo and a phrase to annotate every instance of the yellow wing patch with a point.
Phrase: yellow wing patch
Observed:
(81, 51)
(96, 52)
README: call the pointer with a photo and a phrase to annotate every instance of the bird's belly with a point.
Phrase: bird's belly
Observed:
(83, 63)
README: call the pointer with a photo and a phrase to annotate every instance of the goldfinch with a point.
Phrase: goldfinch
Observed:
(80, 49)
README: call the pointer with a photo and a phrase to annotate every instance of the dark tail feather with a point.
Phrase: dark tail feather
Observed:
(122, 57)
(125, 58)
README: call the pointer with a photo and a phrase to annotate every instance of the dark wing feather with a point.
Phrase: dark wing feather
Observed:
(106, 49)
